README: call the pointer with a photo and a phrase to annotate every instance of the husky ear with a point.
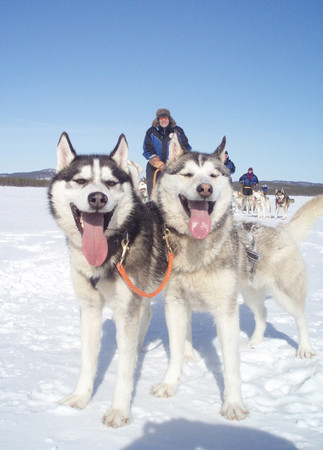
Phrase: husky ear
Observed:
(65, 152)
(175, 149)
(120, 153)
(219, 152)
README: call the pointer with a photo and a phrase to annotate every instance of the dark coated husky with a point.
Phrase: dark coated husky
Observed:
(94, 202)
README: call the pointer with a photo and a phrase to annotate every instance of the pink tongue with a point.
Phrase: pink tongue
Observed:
(200, 221)
(94, 243)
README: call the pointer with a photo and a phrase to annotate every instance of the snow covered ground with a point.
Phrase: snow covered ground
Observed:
(40, 357)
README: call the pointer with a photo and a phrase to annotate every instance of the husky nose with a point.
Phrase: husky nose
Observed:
(204, 189)
(97, 200)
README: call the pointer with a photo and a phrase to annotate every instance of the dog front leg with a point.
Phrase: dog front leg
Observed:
(189, 354)
(127, 340)
(91, 324)
(228, 331)
(176, 312)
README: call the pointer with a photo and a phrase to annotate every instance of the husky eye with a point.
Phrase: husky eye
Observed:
(80, 181)
(188, 175)
(214, 175)
(110, 183)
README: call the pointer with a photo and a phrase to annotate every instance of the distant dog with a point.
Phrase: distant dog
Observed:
(282, 200)
(94, 202)
(134, 169)
(215, 258)
(248, 203)
(238, 199)
(262, 204)
(143, 191)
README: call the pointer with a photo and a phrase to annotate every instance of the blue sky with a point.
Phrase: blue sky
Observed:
(250, 70)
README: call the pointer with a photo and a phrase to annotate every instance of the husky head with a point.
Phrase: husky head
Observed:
(194, 191)
(280, 196)
(90, 196)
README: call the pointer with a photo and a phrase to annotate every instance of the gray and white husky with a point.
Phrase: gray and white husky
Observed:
(94, 202)
(282, 200)
(215, 258)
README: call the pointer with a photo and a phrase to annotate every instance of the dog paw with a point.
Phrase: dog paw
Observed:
(189, 354)
(163, 390)
(234, 411)
(75, 400)
(254, 341)
(305, 352)
(115, 418)
(188, 357)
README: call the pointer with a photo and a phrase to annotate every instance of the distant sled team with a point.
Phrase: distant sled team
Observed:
(95, 201)
(259, 202)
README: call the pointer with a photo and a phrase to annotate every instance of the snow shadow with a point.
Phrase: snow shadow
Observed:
(184, 434)
(203, 333)
(107, 351)
(247, 325)
(157, 332)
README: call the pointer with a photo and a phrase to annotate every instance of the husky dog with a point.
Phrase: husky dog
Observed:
(282, 200)
(238, 199)
(248, 204)
(143, 191)
(94, 202)
(215, 258)
(262, 204)
(134, 169)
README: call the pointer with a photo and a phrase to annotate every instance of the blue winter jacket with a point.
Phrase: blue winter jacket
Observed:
(156, 142)
(252, 181)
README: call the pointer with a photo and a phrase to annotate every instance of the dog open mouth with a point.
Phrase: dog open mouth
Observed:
(199, 213)
(92, 227)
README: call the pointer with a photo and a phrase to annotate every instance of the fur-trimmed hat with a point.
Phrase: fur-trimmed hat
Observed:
(163, 112)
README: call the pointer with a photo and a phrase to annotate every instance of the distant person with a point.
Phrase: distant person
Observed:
(227, 162)
(156, 144)
(248, 181)
(264, 189)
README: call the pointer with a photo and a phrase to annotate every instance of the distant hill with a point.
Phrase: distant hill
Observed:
(45, 174)
(38, 178)
(42, 178)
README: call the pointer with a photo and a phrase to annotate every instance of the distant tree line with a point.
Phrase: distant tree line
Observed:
(310, 189)
(23, 182)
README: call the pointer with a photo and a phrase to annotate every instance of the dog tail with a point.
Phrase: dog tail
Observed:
(302, 221)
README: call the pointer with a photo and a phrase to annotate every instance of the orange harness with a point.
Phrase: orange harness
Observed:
(122, 270)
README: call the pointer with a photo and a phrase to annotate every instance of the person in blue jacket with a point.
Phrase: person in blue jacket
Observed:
(264, 189)
(248, 181)
(156, 144)
(229, 164)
